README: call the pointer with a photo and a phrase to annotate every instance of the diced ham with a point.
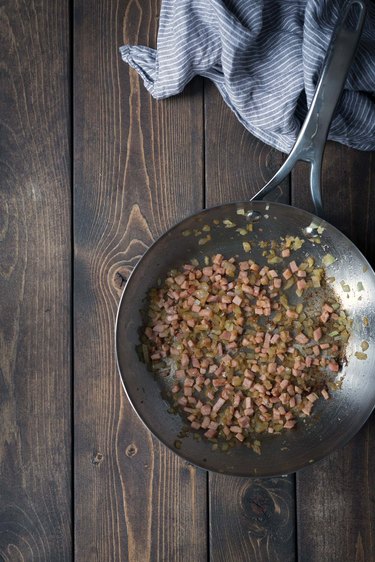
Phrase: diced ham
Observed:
(248, 403)
(225, 335)
(290, 390)
(217, 383)
(272, 368)
(206, 410)
(216, 407)
(316, 350)
(235, 429)
(206, 422)
(333, 366)
(195, 362)
(324, 317)
(293, 266)
(308, 361)
(307, 408)
(248, 412)
(302, 339)
(317, 334)
(247, 383)
(179, 279)
(184, 360)
(210, 433)
(260, 388)
(267, 339)
(244, 421)
(206, 313)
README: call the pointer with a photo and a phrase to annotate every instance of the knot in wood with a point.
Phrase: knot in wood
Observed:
(257, 504)
(120, 278)
(267, 509)
(97, 458)
(131, 450)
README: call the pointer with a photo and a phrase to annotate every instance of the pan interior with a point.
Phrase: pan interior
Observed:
(333, 422)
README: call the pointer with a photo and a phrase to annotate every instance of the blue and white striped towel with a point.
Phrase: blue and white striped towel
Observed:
(265, 57)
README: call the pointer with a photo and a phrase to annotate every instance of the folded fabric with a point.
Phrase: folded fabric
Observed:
(265, 57)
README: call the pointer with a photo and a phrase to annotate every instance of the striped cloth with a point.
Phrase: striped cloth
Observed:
(264, 56)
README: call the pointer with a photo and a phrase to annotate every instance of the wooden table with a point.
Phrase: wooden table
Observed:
(92, 171)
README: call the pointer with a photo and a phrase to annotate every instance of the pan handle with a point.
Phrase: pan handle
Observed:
(312, 137)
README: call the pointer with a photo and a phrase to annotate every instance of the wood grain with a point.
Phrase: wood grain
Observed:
(348, 193)
(35, 444)
(336, 497)
(250, 520)
(138, 169)
(237, 164)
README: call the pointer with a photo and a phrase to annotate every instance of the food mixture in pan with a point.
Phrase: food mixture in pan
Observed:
(246, 347)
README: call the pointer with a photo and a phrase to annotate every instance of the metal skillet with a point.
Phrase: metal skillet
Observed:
(334, 422)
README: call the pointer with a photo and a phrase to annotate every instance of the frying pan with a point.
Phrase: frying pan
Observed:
(333, 422)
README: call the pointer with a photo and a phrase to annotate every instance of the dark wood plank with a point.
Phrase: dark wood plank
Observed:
(336, 498)
(237, 164)
(250, 520)
(138, 169)
(35, 444)
(348, 194)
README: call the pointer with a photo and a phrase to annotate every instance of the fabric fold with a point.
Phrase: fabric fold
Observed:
(265, 57)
